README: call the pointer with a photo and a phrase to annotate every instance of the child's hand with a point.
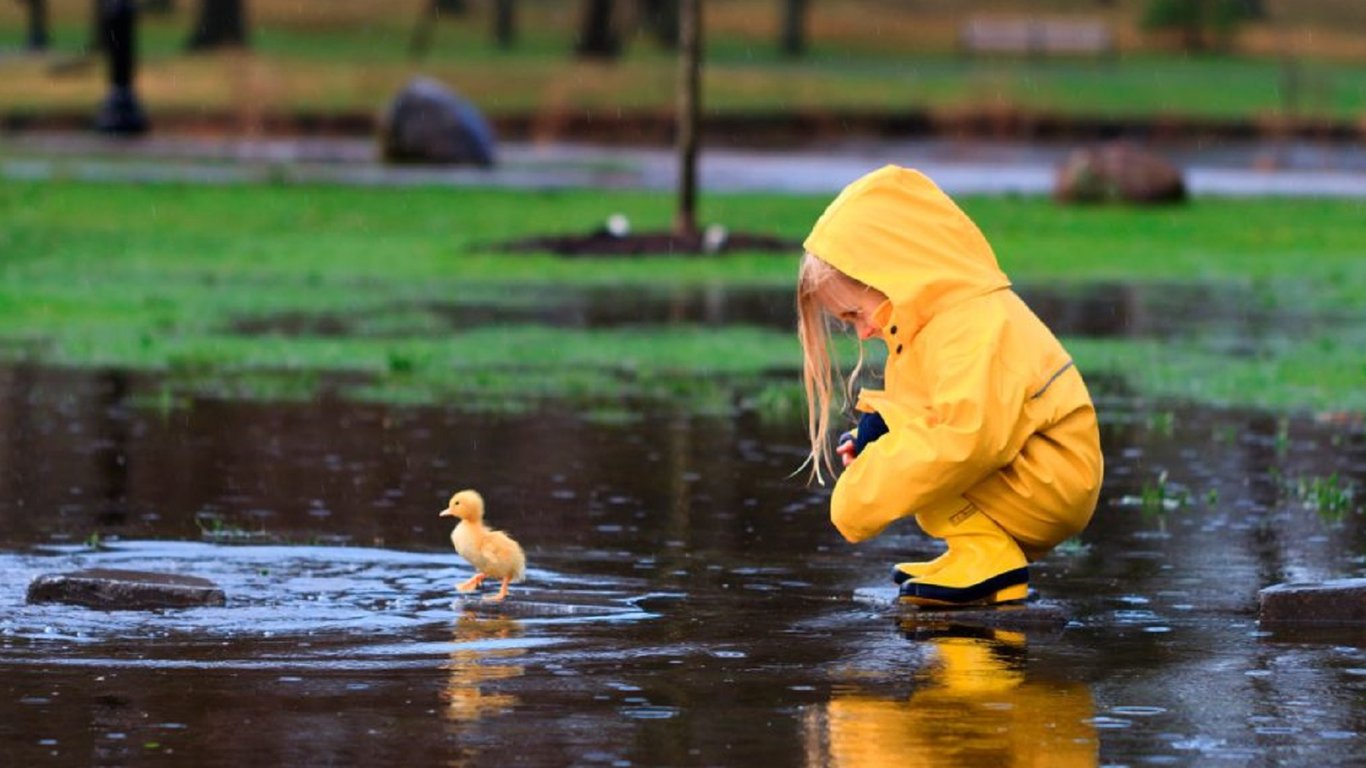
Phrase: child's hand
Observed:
(847, 448)
(851, 443)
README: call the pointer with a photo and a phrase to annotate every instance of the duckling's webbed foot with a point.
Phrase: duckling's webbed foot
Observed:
(502, 593)
(472, 583)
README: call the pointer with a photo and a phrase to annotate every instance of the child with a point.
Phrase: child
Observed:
(984, 430)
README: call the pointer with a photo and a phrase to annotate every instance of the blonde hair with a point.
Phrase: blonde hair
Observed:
(819, 368)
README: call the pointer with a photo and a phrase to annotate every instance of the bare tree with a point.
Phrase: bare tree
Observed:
(37, 39)
(794, 27)
(689, 107)
(221, 23)
(505, 22)
(598, 36)
(660, 19)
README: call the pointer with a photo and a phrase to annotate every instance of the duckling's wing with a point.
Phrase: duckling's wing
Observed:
(502, 557)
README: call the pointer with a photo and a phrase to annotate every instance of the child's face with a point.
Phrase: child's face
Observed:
(853, 304)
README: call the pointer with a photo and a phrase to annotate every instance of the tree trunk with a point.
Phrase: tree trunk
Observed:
(37, 25)
(598, 37)
(221, 23)
(96, 28)
(505, 23)
(1194, 30)
(689, 98)
(660, 18)
(794, 27)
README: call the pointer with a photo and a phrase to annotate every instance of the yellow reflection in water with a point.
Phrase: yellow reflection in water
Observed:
(475, 662)
(976, 706)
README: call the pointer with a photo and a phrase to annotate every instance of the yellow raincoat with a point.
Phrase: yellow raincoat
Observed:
(981, 401)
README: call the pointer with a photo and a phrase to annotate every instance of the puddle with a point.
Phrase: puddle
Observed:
(687, 601)
(1100, 310)
(586, 308)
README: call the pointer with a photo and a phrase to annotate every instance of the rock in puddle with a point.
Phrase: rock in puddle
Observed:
(116, 590)
(1335, 602)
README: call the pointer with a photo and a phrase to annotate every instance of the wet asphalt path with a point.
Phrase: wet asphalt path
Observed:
(1292, 169)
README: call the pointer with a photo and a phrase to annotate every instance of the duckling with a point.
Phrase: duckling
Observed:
(492, 553)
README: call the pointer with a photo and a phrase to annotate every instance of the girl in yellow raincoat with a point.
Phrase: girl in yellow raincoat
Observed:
(984, 430)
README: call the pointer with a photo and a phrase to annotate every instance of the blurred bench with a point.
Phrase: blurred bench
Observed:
(1036, 37)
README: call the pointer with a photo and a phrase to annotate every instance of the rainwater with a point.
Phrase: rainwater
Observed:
(687, 602)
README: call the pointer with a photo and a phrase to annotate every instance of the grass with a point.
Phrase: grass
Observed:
(351, 57)
(192, 281)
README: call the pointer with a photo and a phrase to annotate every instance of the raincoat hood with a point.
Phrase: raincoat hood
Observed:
(894, 230)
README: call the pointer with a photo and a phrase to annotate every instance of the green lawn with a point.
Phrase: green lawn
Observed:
(190, 280)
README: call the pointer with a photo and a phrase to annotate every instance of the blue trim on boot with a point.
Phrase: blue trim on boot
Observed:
(899, 576)
(965, 595)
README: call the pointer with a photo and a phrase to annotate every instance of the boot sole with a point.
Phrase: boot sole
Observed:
(1011, 586)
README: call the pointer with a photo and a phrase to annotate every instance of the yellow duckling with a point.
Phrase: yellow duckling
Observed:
(492, 553)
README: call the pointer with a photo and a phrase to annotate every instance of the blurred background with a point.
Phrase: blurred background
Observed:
(774, 70)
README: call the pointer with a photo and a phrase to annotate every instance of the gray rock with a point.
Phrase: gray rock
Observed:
(1118, 172)
(429, 123)
(115, 590)
(1341, 601)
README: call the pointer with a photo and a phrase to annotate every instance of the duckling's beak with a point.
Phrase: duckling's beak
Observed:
(447, 512)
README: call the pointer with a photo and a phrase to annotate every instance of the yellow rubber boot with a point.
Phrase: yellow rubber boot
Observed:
(901, 572)
(983, 566)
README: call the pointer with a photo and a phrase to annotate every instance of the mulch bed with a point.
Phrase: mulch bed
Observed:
(664, 243)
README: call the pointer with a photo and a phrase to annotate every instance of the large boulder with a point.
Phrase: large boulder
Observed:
(431, 124)
(1118, 172)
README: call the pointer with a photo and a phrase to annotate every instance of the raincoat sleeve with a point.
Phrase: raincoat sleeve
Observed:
(936, 450)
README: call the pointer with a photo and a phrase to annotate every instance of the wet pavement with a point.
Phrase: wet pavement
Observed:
(1231, 169)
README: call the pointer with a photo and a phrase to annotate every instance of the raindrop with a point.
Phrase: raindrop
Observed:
(1275, 730)
(1138, 711)
(649, 713)
(1198, 743)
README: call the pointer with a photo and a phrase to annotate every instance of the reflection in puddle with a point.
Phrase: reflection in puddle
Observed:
(974, 703)
(474, 664)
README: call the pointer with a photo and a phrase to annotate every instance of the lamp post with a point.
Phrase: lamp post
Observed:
(120, 113)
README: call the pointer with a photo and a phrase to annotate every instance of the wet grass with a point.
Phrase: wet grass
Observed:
(166, 278)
